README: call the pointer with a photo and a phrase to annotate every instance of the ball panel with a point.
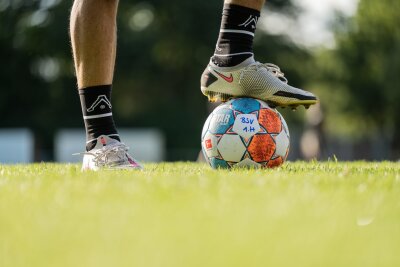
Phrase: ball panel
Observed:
(218, 163)
(284, 125)
(231, 147)
(209, 145)
(261, 148)
(245, 105)
(221, 121)
(270, 120)
(275, 162)
(246, 125)
(282, 144)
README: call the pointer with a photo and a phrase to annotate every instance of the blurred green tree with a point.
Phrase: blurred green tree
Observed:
(361, 75)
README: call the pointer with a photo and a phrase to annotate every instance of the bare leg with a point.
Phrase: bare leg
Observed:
(254, 4)
(93, 37)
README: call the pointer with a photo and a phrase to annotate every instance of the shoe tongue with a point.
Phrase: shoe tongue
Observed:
(104, 140)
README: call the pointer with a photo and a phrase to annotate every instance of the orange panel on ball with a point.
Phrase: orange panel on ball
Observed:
(275, 162)
(270, 121)
(261, 147)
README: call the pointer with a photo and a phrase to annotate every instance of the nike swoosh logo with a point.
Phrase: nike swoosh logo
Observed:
(226, 78)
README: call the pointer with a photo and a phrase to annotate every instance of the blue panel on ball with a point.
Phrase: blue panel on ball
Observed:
(222, 119)
(218, 163)
(245, 105)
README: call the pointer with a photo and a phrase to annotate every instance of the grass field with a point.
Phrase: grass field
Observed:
(185, 214)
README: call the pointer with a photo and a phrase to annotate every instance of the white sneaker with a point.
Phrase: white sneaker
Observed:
(253, 79)
(109, 154)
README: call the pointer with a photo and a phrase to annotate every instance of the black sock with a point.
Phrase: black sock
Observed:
(235, 42)
(97, 113)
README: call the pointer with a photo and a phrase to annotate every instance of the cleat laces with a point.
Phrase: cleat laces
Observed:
(109, 156)
(272, 68)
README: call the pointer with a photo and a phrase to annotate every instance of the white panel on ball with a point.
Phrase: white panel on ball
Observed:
(282, 144)
(284, 124)
(231, 147)
(246, 125)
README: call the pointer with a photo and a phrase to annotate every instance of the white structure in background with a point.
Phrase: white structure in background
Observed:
(311, 27)
(146, 145)
(16, 145)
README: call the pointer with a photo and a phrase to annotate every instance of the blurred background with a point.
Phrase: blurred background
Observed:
(345, 51)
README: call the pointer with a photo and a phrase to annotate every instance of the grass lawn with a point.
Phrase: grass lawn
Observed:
(186, 214)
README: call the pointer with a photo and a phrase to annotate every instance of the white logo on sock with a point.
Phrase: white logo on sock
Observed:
(252, 20)
(101, 99)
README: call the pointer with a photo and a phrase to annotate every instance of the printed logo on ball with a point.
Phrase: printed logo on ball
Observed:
(208, 144)
(222, 119)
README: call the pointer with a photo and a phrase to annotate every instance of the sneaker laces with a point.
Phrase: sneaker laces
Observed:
(272, 68)
(101, 157)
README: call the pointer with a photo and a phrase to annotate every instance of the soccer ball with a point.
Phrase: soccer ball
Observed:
(245, 132)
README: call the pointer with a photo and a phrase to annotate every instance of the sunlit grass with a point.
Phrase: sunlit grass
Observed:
(185, 214)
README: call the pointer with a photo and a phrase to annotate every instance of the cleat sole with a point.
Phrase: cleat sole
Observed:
(222, 97)
(215, 97)
(272, 104)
